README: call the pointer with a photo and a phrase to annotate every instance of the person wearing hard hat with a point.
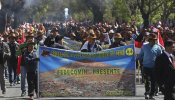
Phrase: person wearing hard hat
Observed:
(12, 61)
(91, 45)
(117, 41)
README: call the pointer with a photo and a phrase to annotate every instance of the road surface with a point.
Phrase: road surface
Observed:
(14, 92)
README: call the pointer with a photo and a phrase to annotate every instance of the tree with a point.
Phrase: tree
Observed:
(120, 10)
(37, 11)
(147, 7)
(9, 11)
(97, 7)
(168, 7)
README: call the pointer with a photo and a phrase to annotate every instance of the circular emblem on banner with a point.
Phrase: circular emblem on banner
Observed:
(129, 51)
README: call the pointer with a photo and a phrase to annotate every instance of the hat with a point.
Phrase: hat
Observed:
(30, 43)
(39, 33)
(158, 26)
(29, 34)
(72, 34)
(16, 33)
(54, 29)
(118, 35)
(12, 35)
(111, 31)
(5, 34)
(92, 36)
(153, 36)
(147, 33)
(91, 31)
(1, 39)
(58, 38)
(103, 30)
(129, 32)
(169, 43)
(155, 30)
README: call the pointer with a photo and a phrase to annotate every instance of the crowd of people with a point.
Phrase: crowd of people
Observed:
(21, 45)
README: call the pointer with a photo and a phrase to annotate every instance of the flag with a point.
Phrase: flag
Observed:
(138, 46)
(159, 37)
(20, 57)
(19, 65)
(23, 38)
(160, 40)
(138, 43)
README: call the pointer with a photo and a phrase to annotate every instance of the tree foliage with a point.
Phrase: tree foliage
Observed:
(142, 11)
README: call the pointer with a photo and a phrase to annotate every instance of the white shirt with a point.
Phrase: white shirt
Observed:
(85, 46)
(169, 55)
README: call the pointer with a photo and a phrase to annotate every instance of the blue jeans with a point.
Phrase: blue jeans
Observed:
(12, 70)
(5, 70)
(23, 78)
(2, 81)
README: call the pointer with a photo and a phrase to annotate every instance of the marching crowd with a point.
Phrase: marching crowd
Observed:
(18, 51)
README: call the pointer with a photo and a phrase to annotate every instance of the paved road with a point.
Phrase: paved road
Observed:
(14, 92)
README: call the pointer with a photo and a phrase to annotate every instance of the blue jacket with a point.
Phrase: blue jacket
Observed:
(148, 54)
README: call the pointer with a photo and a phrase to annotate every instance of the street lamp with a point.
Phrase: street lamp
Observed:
(66, 10)
(0, 5)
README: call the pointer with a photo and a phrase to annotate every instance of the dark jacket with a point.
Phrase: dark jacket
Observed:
(13, 48)
(165, 75)
(49, 41)
(87, 47)
(116, 44)
(59, 46)
(30, 60)
(12, 60)
(4, 52)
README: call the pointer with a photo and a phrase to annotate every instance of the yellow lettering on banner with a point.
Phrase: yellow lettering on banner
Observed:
(68, 72)
(106, 71)
(54, 53)
(118, 93)
(98, 71)
(120, 53)
(65, 54)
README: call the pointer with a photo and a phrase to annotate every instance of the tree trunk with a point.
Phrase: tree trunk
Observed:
(96, 10)
(2, 21)
(98, 16)
(165, 16)
(164, 19)
(145, 20)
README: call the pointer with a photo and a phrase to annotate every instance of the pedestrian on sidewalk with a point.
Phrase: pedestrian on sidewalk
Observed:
(148, 54)
(165, 71)
(30, 58)
(4, 54)
(5, 40)
(12, 61)
(23, 48)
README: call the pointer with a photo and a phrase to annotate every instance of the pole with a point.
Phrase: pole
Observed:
(0, 5)
(5, 21)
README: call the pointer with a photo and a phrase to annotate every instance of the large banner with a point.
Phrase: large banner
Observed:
(64, 73)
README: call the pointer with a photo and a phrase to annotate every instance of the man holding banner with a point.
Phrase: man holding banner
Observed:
(30, 59)
(91, 44)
